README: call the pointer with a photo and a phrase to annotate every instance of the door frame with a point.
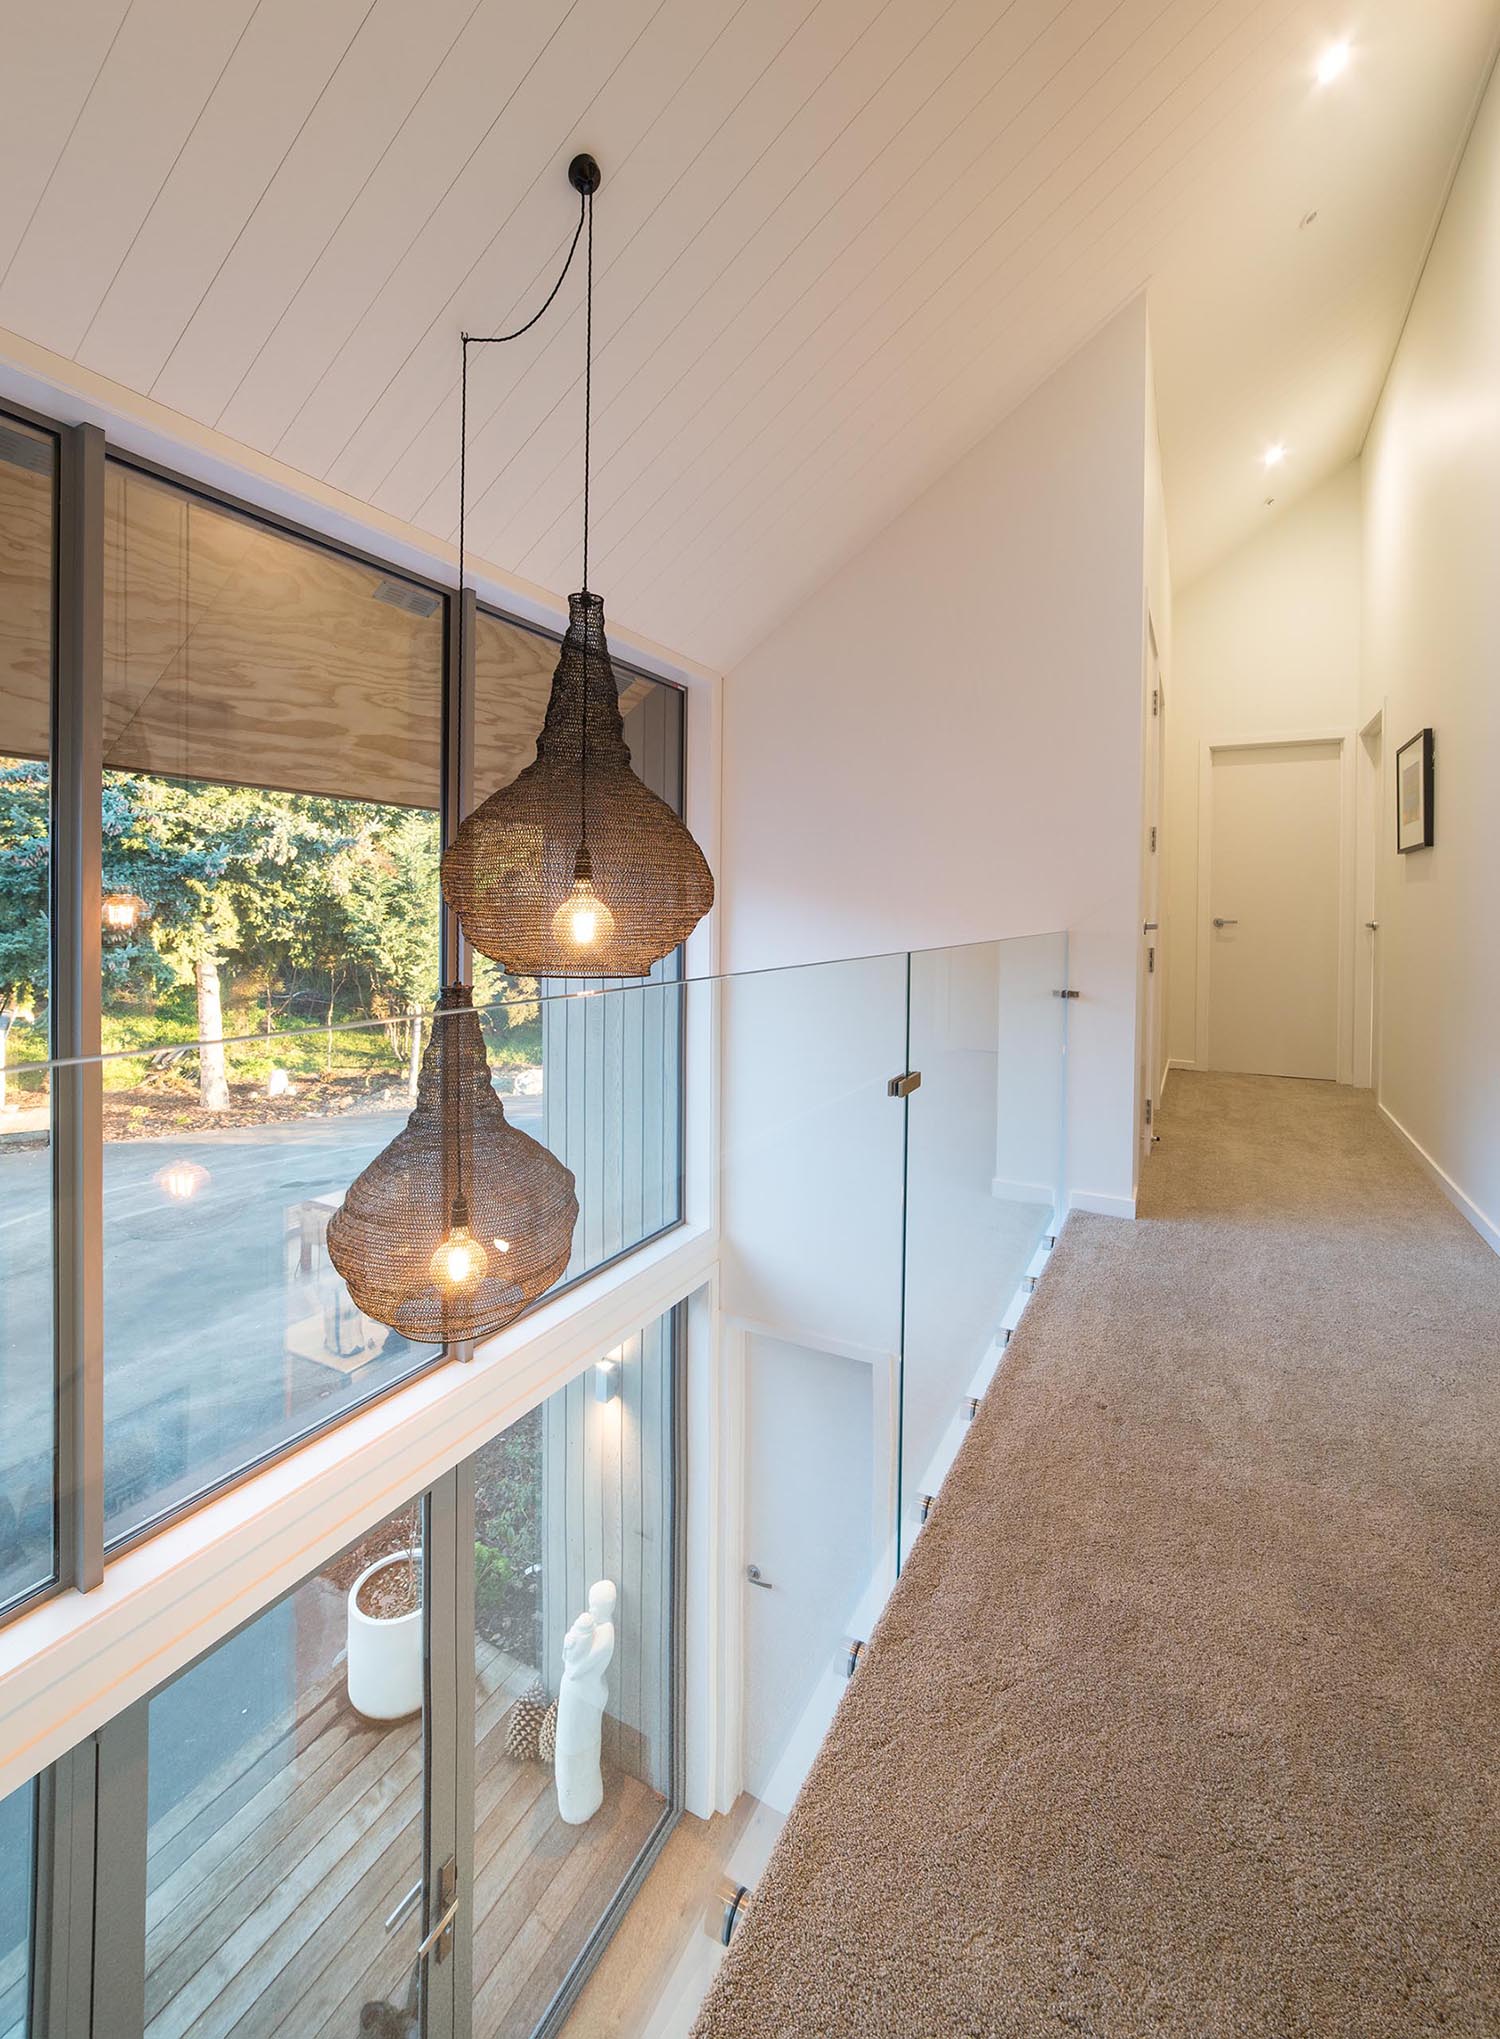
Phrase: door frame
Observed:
(1370, 764)
(1152, 1021)
(1345, 740)
(885, 1411)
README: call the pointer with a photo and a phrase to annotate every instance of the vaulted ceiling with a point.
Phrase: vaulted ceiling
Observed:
(837, 241)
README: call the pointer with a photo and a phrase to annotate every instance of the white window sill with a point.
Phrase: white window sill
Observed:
(73, 1662)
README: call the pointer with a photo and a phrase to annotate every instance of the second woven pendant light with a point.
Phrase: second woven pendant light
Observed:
(463, 1219)
(575, 869)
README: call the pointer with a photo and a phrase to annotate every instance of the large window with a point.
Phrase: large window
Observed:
(573, 1511)
(28, 525)
(270, 824)
(17, 1854)
(596, 1077)
(472, 1705)
(215, 996)
(287, 1796)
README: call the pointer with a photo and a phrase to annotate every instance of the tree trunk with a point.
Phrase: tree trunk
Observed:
(213, 1084)
(5, 1025)
(328, 1036)
(414, 1059)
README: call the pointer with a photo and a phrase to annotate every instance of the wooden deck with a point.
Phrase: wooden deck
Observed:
(269, 1885)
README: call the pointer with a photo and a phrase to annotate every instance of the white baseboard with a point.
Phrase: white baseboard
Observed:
(1009, 1191)
(1181, 1062)
(1487, 1229)
(1102, 1205)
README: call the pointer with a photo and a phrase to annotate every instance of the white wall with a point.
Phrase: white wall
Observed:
(943, 745)
(1432, 636)
(1266, 644)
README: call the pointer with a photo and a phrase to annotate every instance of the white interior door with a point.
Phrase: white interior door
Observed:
(1372, 816)
(1272, 947)
(809, 1477)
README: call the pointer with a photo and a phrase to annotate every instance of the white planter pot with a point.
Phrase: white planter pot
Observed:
(385, 1657)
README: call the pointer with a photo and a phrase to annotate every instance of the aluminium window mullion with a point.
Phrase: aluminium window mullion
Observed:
(121, 1821)
(448, 1726)
(465, 1704)
(456, 796)
(78, 1111)
(63, 1904)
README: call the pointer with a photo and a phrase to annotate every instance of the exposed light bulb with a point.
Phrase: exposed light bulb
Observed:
(1333, 62)
(583, 921)
(121, 911)
(1273, 455)
(181, 1180)
(460, 1263)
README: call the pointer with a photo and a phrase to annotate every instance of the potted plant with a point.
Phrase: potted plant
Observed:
(385, 1637)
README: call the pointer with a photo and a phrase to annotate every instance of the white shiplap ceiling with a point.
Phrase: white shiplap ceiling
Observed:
(837, 241)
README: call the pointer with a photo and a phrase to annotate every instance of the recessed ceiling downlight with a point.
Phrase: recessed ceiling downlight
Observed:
(1273, 455)
(1333, 63)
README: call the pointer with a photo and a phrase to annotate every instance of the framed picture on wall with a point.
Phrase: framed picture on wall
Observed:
(1414, 793)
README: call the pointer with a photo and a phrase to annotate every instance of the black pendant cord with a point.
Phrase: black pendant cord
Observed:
(588, 413)
(585, 209)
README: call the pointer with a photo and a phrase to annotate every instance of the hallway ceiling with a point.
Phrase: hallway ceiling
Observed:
(837, 242)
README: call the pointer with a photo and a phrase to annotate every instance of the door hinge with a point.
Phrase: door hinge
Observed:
(905, 1084)
(1151, 961)
(1148, 1111)
(1156, 700)
(1153, 835)
(1067, 994)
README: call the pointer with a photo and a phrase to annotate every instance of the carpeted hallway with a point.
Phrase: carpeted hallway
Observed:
(1185, 1716)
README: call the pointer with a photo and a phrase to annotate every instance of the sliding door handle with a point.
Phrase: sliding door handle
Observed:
(1226, 923)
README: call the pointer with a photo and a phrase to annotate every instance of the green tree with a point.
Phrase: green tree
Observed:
(25, 936)
(227, 874)
(393, 909)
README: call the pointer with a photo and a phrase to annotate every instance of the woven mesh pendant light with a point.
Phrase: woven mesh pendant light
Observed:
(516, 860)
(575, 869)
(463, 1219)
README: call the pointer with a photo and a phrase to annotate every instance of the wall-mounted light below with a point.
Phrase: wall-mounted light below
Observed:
(1273, 455)
(1333, 63)
(606, 1380)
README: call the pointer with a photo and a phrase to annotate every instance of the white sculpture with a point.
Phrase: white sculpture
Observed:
(587, 1648)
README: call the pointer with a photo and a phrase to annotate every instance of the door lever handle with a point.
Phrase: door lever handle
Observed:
(440, 1936)
(1226, 923)
(1149, 927)
(753, 1574)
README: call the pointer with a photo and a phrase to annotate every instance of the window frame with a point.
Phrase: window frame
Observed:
(83, 453)
(90, 1813)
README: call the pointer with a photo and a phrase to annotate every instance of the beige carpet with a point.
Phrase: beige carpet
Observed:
(1185, 1717)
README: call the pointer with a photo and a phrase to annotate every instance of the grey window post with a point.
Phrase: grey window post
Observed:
(78, 1122)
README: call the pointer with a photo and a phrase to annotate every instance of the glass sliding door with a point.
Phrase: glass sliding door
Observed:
(272, 1837)
(287, 1812)
(17, 1856)
(28, 545)
(574, 1581)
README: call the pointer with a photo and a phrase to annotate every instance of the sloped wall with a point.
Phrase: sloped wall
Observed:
(944, 744)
